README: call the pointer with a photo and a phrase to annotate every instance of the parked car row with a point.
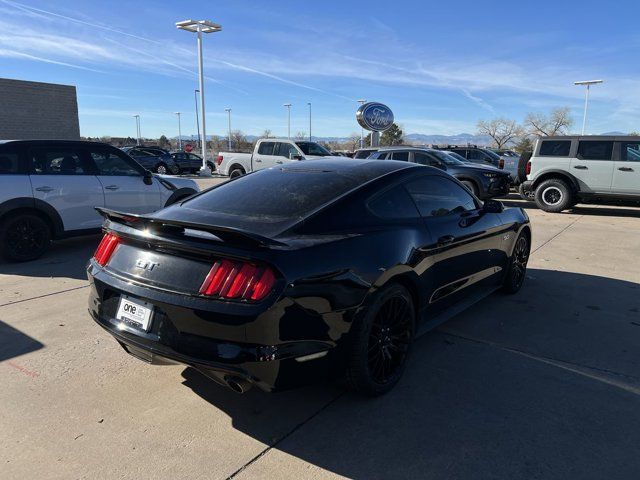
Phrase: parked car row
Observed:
(50, 189)
(164, 162)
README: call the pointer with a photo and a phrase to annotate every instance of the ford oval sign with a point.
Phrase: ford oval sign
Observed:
(374, 116)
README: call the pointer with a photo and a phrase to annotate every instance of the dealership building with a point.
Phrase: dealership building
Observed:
(35, 110)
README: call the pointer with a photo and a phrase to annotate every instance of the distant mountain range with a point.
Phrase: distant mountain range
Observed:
(414, 138)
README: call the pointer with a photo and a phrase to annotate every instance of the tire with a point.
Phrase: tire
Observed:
(522, 166)
(24, 237)
(471, 186)
(517, 269)
(554, 195)
(236, 172)
(528, 195)
(212, 168)
(380, 342)
(162, 169)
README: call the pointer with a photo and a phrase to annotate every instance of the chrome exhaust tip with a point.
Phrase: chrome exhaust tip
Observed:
(238, 385)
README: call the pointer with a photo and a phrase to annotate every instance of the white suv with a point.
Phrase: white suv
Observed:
(49, 189)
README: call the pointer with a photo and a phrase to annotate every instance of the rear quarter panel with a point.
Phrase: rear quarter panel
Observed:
(230, 158)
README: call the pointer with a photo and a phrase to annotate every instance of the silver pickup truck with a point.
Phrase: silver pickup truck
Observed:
(269, 152)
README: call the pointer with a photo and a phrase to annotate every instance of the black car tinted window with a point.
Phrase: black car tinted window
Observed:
(403, 156)
(630, 152)
(266, 148)
(9, 161)
(312, 148)
(394, 203)
(424, 159)
(594, 150)
(555, 148)
(56, 161)
(274, 194)
(437, 196)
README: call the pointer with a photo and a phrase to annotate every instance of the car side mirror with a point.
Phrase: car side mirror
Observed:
(295, 156)
(492, 206)
(147, 178)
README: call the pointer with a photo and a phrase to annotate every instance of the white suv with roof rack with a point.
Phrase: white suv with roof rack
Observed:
(566, 170)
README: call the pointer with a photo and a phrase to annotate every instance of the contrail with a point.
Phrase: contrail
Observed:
(12, 53)
(30, 9)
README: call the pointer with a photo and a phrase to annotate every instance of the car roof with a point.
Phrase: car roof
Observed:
(364, 168)
(623, 138)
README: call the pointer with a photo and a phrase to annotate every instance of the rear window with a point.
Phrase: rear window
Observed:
(594, 150)
(555, 148)
(264, 200)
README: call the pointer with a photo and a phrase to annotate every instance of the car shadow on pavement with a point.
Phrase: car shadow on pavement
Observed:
(66, 258)
(544, 384)
(14, 343)
(622, 210)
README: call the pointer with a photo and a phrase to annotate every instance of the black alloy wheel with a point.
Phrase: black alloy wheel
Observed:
(24, 237)
(389, 340)
(381, 342)
(518, 265)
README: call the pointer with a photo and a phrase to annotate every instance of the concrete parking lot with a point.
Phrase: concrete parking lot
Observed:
(544, 384)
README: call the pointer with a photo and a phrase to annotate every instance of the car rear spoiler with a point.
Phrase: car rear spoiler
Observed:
(226, 234)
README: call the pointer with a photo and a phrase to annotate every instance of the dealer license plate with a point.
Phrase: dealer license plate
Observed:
(135, 313)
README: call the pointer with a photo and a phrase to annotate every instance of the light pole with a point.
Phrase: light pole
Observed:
(228, 110)
(588, 83)
(195, 94)
(137, 117)
(309, 103)
(288, 105)
(200, 27)
(179, 132)
(362, 101)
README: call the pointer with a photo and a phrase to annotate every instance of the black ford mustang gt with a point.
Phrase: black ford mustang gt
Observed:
(319, 268)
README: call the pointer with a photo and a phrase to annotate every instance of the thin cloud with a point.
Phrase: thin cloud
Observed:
(13, 54)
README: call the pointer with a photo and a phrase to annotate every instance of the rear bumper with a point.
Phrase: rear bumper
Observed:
(212, 343)
(498, 187)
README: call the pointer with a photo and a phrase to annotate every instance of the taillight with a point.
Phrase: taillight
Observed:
(219, 159)
(528, 169)
(240, 280)
(501, 163)
(106, 248)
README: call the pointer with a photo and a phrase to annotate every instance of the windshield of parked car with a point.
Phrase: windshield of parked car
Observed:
(457, 156)
(446, 158)
(312, 148)
(493, 155)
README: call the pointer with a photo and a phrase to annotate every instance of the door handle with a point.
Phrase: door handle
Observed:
(278, 161)
(258, 160)
(581, 167)
(112, 187)
(446, 240)
(44, 189)
(626, 169)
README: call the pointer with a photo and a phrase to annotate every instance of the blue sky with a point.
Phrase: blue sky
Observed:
(441, 66)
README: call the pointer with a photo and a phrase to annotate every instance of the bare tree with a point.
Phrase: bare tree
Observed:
(558, 123)
(266, 134)
(300, 136)
(501, 130)
(354, 142)
(239, 141)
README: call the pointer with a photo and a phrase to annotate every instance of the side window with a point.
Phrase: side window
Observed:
(594, 150)
(136, 152)
(437, 196)
(629, 152)
(266, 148)
(403, 156)
(472, 155)
(395, 203)
(285, 149)
(9, 161)
(57, 161)
(555, 148)
(424, 159)
(111, 163)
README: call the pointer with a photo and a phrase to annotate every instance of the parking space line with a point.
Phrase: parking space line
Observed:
(620, 380)
(42, 296)
(286, 435)
(558, 234)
